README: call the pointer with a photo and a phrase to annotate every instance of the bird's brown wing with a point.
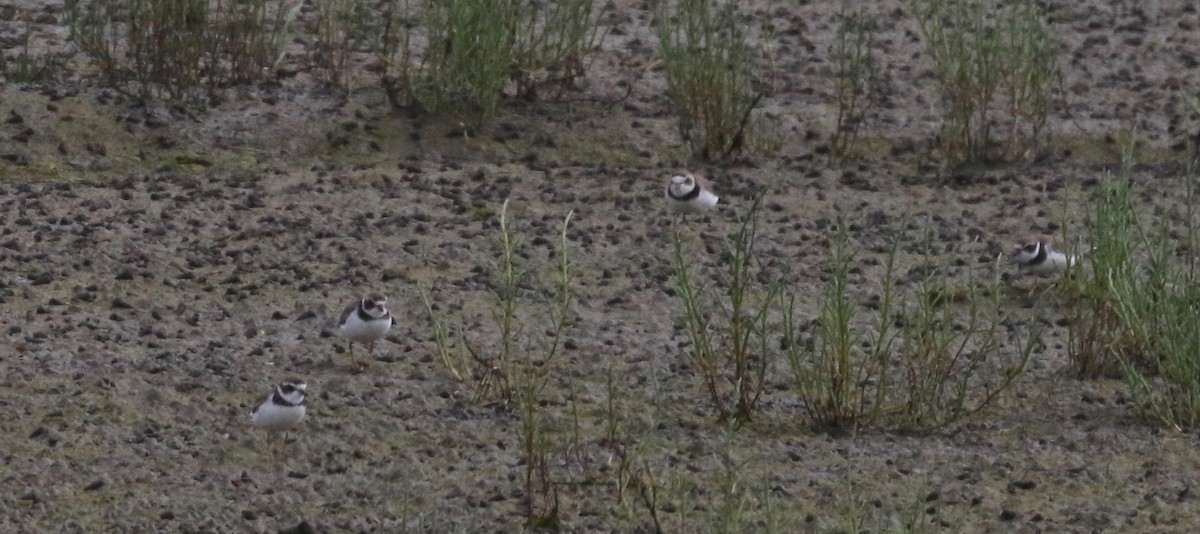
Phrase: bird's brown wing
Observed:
(707, 185)
(346, 312)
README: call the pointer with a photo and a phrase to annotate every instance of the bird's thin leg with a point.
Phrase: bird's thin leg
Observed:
(354, 361)
(271, 444)
(283, 457)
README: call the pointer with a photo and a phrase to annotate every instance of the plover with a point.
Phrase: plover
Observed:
(365, 321)
(283, 409)
(691, 193)
(1038, 255)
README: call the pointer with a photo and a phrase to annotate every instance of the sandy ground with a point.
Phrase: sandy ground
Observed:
(161, 269)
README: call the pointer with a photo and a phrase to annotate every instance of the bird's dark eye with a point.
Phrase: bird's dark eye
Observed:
(368, 303)
(287, 388)
(1031, 247)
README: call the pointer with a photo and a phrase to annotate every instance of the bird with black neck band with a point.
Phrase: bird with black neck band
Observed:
(365, 321)
(1038, 255)
(284, 409)
(689, 193)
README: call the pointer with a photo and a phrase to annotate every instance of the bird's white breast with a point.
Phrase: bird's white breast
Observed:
(1056, 262)
(275, 417)
(705, 199)
(357, 330)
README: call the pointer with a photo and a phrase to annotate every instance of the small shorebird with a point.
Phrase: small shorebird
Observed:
(1037, 255)
(365, 321)
(691, 193)
(283, 409)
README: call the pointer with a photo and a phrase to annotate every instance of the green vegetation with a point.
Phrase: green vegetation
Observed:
(514, 368)
(710, 74)
(340, 31)
(855, 77)
(958, 349)
(912, 343)
(828, 375)
(1098, 339)
(730, 337)
(521, 355)
(1135, 305)
(465, 67)
(995, 65)
(930, 357)
(29, 67)
(477, 49)
(178, 49)
(554, 40)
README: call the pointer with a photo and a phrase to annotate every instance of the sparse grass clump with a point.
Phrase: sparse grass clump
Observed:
(931, 356)
(855, 77)
(178, 49)
(466, 64)
(919, 359)
(453, 57)
(830, 376)
(553, 45)
(1098, 339)
(26, 66)
(1134, 310)
(341, 28)
(958, 350)
(514, 367)
(730, 335)
(475, 51)
(499, 369)
(711, 69)
(996, 66)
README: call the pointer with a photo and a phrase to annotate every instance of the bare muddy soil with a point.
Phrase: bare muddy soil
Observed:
(161, 268)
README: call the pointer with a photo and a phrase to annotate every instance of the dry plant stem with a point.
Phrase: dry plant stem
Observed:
(441, 338)
(504, 311)
(944, 355)
(855, 75)
(1097, 334)
(920, 368)
(697, 319)
(824, 371)
(710, 71)
(336, 38)
(555, 40)
(1155, 302)
(994, 65)
(182, 50)
(732, 365)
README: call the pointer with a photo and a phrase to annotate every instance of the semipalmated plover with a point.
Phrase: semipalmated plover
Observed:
(365, 321)
(1038, 255)
(691, 193)
(283, 409)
